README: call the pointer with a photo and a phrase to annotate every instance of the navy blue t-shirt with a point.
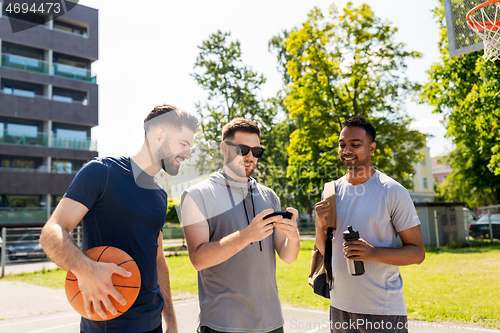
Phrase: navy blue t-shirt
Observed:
(130, 217)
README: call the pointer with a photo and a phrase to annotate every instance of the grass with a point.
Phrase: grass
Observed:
(454, 283)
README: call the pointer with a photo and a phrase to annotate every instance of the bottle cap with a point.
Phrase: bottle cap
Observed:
(350, 234)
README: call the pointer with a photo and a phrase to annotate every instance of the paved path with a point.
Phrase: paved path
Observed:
(25, 308)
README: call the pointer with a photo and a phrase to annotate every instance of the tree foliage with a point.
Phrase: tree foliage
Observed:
(232, 92)
(334, 68)
(466, 89)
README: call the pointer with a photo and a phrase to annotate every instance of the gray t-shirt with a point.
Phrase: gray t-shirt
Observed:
(241, 293)
(378, 209)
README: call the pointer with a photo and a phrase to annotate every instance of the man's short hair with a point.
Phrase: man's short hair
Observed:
(361, 122)
(168, 115)
(239, 125)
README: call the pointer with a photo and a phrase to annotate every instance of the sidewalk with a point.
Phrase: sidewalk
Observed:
(26, 308)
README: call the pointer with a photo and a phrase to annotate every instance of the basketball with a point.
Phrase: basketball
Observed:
(127, 286)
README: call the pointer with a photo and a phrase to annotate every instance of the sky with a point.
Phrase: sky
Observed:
(147, 51)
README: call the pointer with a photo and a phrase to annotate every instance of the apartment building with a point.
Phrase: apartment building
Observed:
(48, 106)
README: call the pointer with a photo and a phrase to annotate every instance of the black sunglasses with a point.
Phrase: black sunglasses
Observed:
(243, 150)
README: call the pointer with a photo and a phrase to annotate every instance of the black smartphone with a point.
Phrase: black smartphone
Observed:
(285, 214)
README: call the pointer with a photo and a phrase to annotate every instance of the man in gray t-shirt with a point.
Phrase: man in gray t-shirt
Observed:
(380, 209)
(231, 244)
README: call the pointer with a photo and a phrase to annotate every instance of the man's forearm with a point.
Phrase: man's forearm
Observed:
(406, 255)
(61, 249)
(213, 253)
(290, 250)
(320, 239)
(168, 307)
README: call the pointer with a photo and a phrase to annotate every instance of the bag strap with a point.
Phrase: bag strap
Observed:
(329, 195)
(331, 224)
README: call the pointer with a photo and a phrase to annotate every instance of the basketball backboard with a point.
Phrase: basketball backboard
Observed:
(461, 39)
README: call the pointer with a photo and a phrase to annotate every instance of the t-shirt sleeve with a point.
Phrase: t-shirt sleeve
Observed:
(403, 212)
(89, 183)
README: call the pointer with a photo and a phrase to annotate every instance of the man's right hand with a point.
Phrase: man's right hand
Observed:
(322, 210)
(258, 229)
(96, 286)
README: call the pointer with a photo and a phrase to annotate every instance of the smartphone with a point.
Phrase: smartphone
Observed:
(285, 214)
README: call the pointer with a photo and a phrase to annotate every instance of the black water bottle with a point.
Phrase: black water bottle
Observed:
(354, 267)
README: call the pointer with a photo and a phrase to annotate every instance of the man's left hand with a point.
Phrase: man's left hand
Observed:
(289, 226)
(360, 250)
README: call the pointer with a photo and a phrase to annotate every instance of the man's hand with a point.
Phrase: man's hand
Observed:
(258, 229)
(96, 286)
(360, 250)
(322, 210)
(289, 226)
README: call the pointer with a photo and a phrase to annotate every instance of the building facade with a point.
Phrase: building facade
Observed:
(48, 106)
(440, 170)
(423, 184)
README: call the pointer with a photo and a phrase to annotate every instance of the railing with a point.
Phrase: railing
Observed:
(39, 66)
(24, 63)
(41, 139)
(75, 73)
(23, 215)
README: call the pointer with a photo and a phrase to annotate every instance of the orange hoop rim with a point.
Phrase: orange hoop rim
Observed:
(482, 26)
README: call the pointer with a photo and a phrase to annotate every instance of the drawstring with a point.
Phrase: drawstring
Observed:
(244, 205)
(246, 213)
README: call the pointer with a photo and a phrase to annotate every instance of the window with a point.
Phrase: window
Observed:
(426, 185)
(21, 129)
(10, 163)
(423, 160)
(70, 28)
(69, 96)
(70, 133)
(22, 201)
(61, 166)
(19, 88)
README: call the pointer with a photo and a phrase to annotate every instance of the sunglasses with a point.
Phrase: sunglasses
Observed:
(243, 150)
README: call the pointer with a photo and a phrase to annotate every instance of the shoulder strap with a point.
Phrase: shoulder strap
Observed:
(329, 195)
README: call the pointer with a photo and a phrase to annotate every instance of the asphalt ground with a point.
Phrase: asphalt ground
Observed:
(26, 308)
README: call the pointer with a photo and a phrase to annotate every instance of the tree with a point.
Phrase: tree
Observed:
(466, 90)
(336, 68)
(232, 92)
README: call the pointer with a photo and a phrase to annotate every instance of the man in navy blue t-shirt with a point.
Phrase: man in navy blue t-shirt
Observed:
(120, 204)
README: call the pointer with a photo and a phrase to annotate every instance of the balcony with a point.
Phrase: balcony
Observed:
(42, 140)
(75, 73)
(39, 66)
(24, 63)
(23, 215)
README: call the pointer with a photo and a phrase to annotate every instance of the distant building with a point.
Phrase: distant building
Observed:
(174, 185)
(48, 106)
(440, 170)
(423, 184)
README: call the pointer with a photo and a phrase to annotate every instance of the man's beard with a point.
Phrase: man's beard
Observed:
(167, 161)
(241, 172)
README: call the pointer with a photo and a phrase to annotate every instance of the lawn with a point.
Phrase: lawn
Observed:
(460, 284)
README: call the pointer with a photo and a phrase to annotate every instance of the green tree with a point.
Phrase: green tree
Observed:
(232, 92)
(335, 68)
(172, 216)
(465, 90)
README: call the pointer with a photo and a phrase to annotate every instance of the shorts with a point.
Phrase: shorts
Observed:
(205, 329)
(348, 322)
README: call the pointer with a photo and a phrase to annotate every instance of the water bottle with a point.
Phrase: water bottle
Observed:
(354, 267)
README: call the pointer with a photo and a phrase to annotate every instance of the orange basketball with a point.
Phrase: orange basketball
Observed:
(127, 286)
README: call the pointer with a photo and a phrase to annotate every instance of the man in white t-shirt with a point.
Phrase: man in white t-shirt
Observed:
(380, 209)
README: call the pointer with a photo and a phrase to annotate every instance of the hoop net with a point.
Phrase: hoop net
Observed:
(484, 20)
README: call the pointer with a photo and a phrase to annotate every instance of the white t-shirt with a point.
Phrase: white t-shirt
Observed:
(379, 209)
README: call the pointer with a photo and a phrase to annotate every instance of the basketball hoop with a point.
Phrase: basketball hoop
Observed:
(484, 20)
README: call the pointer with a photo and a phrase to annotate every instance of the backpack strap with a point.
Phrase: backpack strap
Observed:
(331, 225)
(329, 195)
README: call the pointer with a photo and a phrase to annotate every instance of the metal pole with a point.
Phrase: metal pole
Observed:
(4, 248)
(437, 229)
(491, 227)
